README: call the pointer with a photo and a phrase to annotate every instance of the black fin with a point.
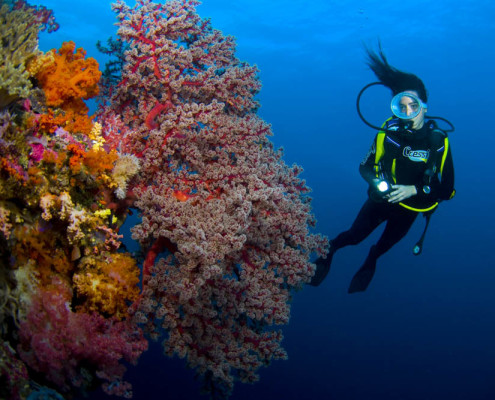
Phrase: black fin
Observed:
(363, 277)
(322, 269)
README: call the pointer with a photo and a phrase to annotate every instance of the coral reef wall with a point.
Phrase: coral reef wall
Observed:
(65, 286)
(224, 223)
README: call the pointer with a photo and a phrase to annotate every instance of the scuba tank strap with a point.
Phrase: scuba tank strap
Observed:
(436, 139)
(436, 144)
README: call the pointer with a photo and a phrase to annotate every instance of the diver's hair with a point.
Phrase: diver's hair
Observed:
(395, 80)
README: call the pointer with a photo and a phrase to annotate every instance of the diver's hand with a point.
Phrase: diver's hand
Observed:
(400, 193)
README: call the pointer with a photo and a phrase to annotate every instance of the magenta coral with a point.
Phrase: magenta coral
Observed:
(61, 343)
(43, 16)
(13, 374)
(211, 189)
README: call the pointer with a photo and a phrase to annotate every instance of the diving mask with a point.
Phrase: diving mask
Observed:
(406, 105)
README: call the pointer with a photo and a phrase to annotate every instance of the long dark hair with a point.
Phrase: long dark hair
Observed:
(398, 81)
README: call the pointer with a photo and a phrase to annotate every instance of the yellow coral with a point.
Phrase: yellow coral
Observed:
(47, 203)
(66, 205)
(96, 137)
(95, 133)
(5, 225)
(27, 281)
(107, 284)
(77, 218)
(103, 213)
(42, 60)
(39, 248)
(19, 39)
(125, 168)
(64, 209)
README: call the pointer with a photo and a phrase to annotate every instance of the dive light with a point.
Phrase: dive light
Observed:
(383, 187)
(379, 189)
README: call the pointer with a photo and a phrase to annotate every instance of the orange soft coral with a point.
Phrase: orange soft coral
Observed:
(99, 164)
(99, 161)
(40, 247)
(67, 79)
(55, 158)
(75, 161)
(69, 120)
(95, 162)
(107, 284)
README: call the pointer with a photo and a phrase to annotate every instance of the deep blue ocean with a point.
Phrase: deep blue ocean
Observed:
(425, 328)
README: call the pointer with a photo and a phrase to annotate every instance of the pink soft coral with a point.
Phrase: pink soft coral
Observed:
(61, 343)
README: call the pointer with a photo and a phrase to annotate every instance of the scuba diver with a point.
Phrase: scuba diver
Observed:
(409, 170)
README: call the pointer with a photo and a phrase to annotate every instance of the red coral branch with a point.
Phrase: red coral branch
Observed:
(159, 108)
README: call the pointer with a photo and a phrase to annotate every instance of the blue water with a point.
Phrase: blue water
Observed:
(424, 329)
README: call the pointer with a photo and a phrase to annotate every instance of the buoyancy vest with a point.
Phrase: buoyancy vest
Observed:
(412, 159)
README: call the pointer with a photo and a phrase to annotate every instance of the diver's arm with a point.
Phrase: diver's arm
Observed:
(367, 166)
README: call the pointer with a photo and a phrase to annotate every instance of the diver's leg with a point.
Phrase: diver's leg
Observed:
(398, 224)
(367, 220)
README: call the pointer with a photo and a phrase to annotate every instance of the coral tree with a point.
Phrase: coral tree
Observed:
(212, 193)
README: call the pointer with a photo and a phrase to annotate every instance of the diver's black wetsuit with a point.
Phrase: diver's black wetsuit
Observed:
(371, 215)
(401, 158)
